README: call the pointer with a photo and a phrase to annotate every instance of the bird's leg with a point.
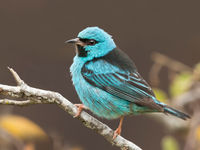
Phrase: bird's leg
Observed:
(80, 107)
(119, 129)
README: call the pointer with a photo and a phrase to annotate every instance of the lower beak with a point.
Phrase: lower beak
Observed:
(76, 40)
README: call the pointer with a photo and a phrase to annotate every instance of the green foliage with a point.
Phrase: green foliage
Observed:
(160, 95)
(169, 143)
(180, 84)
(197, 72)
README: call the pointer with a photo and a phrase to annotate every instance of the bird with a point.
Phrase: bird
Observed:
(107, 81)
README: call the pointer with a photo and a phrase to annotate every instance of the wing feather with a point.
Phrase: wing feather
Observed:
(116, 74)
(131, 87)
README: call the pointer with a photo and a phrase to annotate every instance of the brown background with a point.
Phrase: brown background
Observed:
(32, 35)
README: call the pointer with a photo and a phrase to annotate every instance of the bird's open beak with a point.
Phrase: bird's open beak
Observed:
(75, 41)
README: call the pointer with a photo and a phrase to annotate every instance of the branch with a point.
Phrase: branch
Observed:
(32, 95)
(161, 61)
(169, 63)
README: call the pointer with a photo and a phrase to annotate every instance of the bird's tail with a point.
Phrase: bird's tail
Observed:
(175, 112)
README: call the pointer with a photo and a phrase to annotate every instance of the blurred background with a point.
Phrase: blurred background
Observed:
(32, 35)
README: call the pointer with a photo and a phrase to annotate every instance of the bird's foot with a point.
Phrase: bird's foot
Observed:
(117, 132)
(119, 129)
(80, 108)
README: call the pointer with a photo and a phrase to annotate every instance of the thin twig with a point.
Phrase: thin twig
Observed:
(169, 62)
(154, 74)
(18, 80)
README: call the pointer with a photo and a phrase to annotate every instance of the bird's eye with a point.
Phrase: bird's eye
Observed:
(92, 42)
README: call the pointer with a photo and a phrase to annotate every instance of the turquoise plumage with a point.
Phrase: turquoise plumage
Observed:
(107, 81)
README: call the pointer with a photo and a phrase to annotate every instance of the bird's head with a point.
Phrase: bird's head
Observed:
(93, 42)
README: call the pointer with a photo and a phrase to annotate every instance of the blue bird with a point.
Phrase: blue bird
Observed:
(107, 81)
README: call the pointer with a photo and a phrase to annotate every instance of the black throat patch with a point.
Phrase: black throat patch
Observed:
(81, 51)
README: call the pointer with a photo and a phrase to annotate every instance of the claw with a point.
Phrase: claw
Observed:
(80, 108)
(116, 133)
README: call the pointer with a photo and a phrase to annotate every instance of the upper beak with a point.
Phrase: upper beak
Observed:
(76, 40)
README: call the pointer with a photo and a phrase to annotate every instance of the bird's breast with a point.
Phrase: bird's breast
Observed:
(83, 89)
(75, 70)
